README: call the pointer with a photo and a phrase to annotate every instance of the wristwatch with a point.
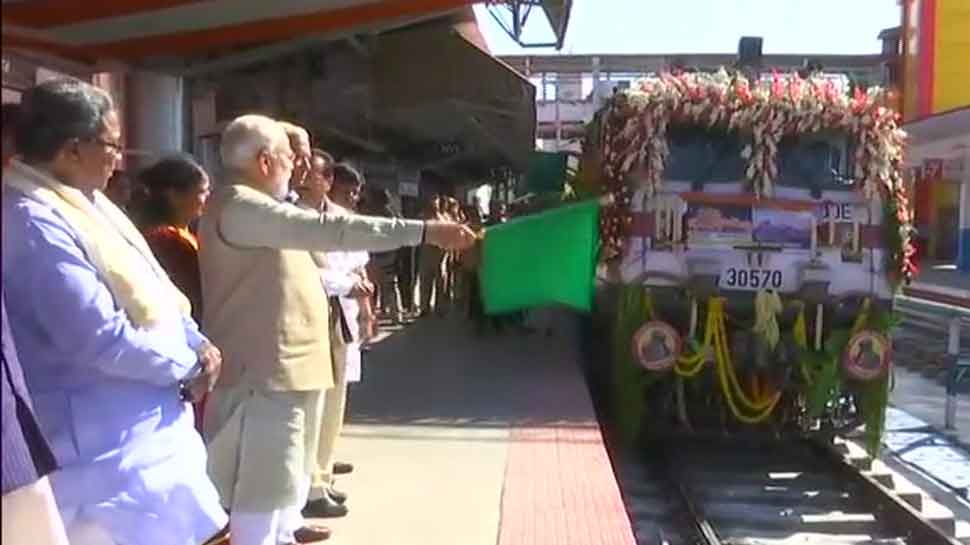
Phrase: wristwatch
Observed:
(185, 394)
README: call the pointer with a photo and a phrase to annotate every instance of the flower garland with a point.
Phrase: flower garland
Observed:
(634, 125)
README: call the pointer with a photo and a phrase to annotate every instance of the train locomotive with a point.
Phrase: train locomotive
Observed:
(757, 234)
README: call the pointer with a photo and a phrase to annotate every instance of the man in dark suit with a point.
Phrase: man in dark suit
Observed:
(29, 511)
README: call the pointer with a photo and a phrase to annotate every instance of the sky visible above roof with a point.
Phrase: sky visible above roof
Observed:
(707, 26)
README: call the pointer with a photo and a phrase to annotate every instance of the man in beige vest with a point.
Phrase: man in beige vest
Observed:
(267, 312)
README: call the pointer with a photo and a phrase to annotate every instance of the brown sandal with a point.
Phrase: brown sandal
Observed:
(312, 533)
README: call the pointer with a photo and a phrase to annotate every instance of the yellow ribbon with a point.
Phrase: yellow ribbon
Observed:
(800, 330)
(715, 336)
(767, 305)
(863, 318)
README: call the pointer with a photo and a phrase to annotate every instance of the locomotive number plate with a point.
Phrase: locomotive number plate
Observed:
(751, 279)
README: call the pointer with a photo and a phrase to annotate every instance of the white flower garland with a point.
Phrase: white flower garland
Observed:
(634, 130)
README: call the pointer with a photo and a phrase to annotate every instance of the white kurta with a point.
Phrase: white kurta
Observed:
(339, 274)
(338, 279)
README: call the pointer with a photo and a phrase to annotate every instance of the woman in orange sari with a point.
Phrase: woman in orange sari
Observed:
(175, 191)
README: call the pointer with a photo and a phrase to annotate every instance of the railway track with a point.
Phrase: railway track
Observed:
(713, 491)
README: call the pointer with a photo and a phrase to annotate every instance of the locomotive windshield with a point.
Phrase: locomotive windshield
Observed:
(703, 155)
(813, 161)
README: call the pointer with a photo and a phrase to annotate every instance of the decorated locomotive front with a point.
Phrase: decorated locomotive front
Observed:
(757, 235)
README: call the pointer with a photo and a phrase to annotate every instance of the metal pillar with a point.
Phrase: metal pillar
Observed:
(558, 118)
(156, 116)
(953, 357)
(963, 244)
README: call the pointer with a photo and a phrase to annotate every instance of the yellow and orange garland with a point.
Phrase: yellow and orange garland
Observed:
(747, 409)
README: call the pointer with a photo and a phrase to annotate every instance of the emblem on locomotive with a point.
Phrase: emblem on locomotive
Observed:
(867, 356)
(656, 346)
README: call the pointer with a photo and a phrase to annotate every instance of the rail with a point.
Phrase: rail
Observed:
(718, 490)
(950, 320)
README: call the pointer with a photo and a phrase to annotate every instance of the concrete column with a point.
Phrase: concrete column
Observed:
(156, 122)
(963, 246)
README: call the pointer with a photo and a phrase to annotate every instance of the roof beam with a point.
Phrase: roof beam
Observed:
(364, 46)
(51, 13)
(499, 144)
(366, 144)
(258, 55)
(249, 57)
(484, 108)
(269, 30)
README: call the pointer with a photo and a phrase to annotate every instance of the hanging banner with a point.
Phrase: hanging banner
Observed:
(783, 228)
(408, 189)
(718, 225)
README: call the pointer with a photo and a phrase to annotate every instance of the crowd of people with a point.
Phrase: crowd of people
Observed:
(427, 281)
(176, 367)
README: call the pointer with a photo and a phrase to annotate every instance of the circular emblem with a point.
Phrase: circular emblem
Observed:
(656, 345)
(867, 355)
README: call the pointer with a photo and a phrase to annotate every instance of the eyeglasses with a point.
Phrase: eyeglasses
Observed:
(112, 146)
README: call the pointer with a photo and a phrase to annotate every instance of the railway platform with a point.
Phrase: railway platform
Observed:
(463, 439)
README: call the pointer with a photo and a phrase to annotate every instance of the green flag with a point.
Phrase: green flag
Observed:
(546, 258)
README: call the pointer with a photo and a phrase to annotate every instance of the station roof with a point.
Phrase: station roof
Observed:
(945, 135)
(474, 99)
(151, 33)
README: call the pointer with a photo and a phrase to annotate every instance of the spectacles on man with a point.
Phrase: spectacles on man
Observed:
(112, 146)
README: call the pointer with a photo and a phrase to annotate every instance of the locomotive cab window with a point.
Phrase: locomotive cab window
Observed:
(815, 161)
(700, 155)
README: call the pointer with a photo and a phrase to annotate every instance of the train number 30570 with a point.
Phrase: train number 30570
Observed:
(754, 279)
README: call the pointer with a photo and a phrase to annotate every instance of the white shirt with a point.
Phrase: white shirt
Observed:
(339, 273)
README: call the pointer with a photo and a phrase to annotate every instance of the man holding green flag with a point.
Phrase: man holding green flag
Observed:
(542, 259)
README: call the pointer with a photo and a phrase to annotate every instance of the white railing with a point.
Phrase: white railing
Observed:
(949, 319)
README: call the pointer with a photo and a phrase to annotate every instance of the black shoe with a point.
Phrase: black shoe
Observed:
(342, 468)
(324, 508)
(337, 496)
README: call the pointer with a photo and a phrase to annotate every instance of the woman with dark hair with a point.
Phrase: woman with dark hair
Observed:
(174, 193)
(176, 190)
(119, 190)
